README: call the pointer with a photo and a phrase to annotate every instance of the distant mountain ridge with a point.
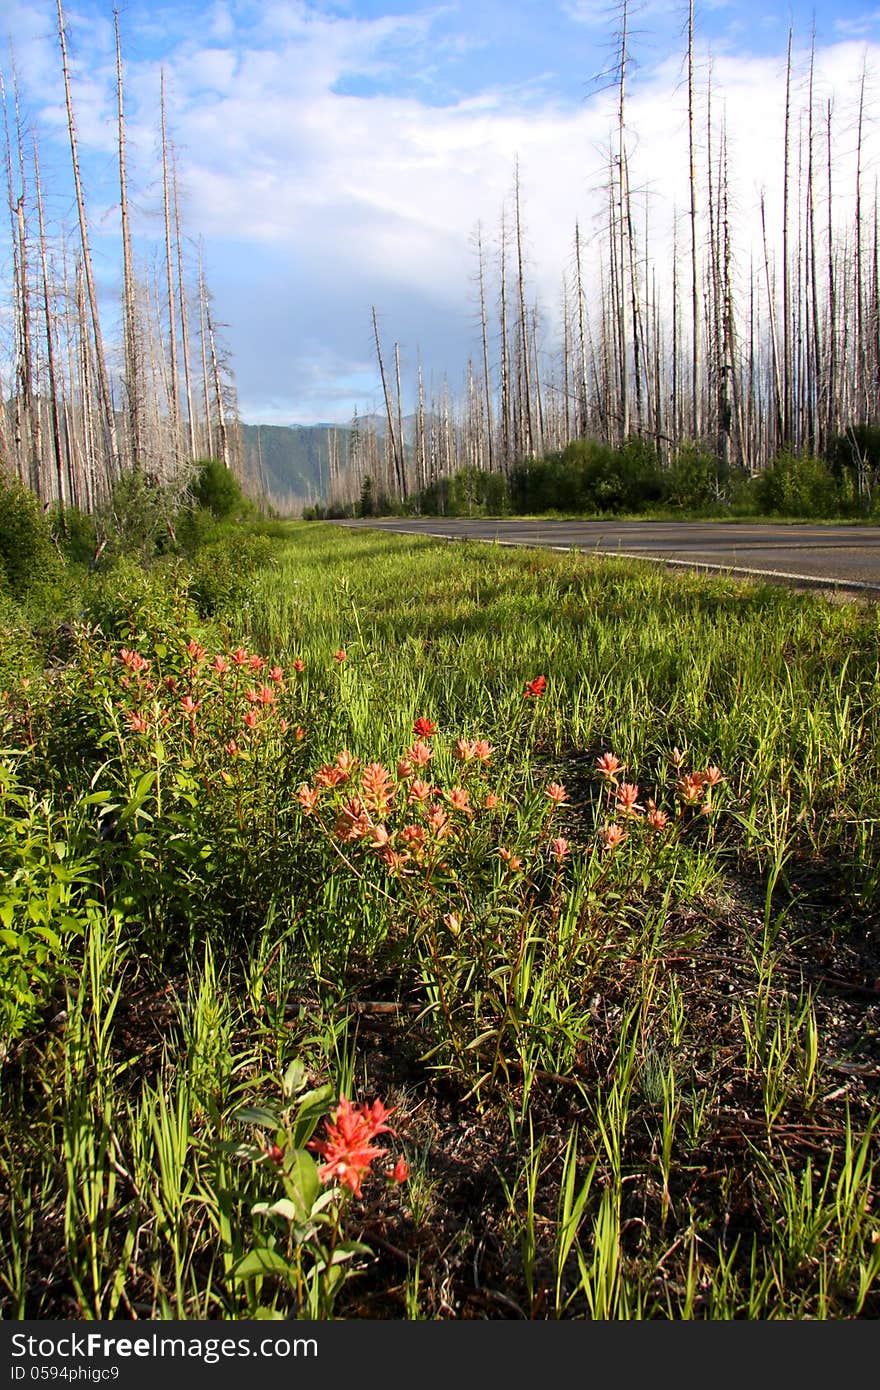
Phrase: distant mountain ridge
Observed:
(292, 462)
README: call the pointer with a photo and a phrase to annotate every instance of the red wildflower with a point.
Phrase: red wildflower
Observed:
(482, 750)
(276, 674)
(690, 788)
(348, 1147)
(353, 823)
(559, 848)
(459, 797)
(512, 860)
(299, 666)
(657, 819)
(557, 793)
(132, 660)
(308, 798)
(340, 656)
(137, 722)
(419, 790)
(345, 763)
(195, 651)
(252, 719)
(464, 750)
(400, 1171)
(189, 705)
(413, 836)
(491, 801)
(404, 770)
(378, 792)
(627, 798)
(220, 665)
(438, 821)
(612, 835)
(608, 765)
(424, 727)
(240, 656)
(535, 687)
(420, 753)
(256, 663)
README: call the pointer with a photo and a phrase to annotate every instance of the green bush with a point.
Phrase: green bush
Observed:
(28, 558)
(692, 479)
(798, 485)
(76, 535)
(222, 573)
(140, 516)
(216, 489)
(854, 459)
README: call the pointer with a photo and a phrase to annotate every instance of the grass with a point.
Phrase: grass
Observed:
(629, 1080)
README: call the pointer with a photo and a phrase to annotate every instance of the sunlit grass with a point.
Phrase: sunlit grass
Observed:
(631, 1081)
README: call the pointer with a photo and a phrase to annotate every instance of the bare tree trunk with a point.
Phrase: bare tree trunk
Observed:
(621, 228)
(526, 396)
(818, 439)
(132, 368)
(184, 317)
(173, 402)
(21, 466)
(786, 280)
(400, 443)
(26, 360)
(50, 349)
(107, 421)
(505, 358)
(582, 413)
(696, 366)
(218, 386)
(391, 431)
(487, 378)
(209, 433)
(777, 385)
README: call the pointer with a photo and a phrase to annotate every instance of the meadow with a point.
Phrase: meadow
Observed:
(399, 930)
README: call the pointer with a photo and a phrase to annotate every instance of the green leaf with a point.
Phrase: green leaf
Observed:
(294, 1079)
(312, 1107)
(301, 1182)
(141, 792)
(258, 1262)
(257, 1115)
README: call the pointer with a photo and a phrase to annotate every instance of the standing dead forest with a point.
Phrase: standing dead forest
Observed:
(750, 345)
(680, 378)
(84, 408)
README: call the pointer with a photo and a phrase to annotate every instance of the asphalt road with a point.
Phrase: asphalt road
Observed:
(842, 557)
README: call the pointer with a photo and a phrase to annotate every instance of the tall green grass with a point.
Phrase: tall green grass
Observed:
(629, 1082)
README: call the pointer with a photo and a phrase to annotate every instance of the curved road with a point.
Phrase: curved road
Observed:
(833, 557)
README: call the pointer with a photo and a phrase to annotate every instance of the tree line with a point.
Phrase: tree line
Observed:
(77, 415)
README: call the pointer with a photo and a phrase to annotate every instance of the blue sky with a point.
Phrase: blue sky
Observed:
(339, 155)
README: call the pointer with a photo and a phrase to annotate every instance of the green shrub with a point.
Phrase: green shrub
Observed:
(216, 489)
(854, 459)
(140, 516)
(222, 573)
(76, 535)
(798, 485)
(692, 479)
(28, 557)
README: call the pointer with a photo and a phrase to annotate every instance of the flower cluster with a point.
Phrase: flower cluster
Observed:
(692, 790)
(348, 1146)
